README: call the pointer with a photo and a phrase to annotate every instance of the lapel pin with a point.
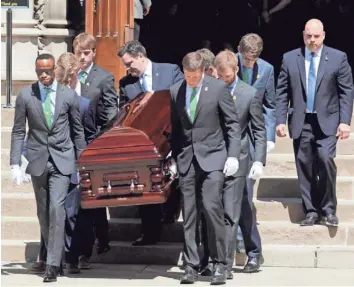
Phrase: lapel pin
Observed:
(157, 74)
(326, 58)
(234, 97)
(87, 84)
(206, 89)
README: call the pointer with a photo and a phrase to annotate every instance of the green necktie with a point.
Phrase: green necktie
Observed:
(193, 103)
(245, 75)
(83, 77)
(48, 107)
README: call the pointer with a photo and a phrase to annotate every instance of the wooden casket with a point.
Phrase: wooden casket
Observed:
(126, 165)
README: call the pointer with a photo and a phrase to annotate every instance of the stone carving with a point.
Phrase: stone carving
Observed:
(38, 14)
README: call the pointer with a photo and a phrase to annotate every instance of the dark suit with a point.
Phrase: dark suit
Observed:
(251, 121)
(200, 151)
(262, 78)
(51, 153)
(102, 80)
(314, 134)
(99, 88)
(163, 77)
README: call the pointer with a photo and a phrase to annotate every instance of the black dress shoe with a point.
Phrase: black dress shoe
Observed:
(189, 277)
(143, 240)
(253, 264)
(219, 276)
(310, 219)
(230, 276)
(72, 268)
(331, 220)
(37, 268)
(51, 273)
(206, 271)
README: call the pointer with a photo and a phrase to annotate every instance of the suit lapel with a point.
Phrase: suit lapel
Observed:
(254, 74)
(155, 76)
(239, 73)
(204, 91)
(321, 67)
(181, 101)
(59, 99)
(90, 77)
(301, 65)
(36, 98)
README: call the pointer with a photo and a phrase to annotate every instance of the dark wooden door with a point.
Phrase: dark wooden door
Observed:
(112, 23)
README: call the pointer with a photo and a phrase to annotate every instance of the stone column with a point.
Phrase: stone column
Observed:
(24, 47)
(57, 38)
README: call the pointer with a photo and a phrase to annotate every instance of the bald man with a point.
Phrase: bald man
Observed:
(315, 93)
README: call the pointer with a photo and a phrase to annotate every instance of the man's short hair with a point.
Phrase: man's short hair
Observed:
(45, 56)
(226, 59)
(67, 65)
(251, 43)
(193, 61)
(85, 41)
(133, 48)
(208, 57)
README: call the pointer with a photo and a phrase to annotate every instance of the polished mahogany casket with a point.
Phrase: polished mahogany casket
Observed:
(126, 165)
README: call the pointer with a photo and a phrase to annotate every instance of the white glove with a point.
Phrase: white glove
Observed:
(270, 146)
(24, 163)
(173, 167)
(231, 166)
(16, 174)
(256, 170)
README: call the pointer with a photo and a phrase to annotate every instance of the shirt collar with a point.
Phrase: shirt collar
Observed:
(88, 69)
(148, 70)
(318, 52)
(53, 86)
(234, 83)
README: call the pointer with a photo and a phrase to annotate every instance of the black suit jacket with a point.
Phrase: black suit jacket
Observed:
(334, 91)
(163, 77)
(204, 138)
(107, 103)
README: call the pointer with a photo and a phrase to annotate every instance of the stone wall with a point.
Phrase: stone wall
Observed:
(43, 27)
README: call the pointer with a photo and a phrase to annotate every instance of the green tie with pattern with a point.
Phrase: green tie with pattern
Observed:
(193, 103)
(83, 77)
(48, 107)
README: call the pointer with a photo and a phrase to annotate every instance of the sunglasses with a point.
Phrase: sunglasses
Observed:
(41, 71)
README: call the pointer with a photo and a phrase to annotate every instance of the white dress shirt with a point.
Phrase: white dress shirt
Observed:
(189, 93)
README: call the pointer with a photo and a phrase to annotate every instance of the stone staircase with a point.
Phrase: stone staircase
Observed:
(277, 201)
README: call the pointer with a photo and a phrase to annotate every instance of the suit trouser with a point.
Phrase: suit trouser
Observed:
(248, 222)
(232, 199)
(248, 231)
(79, 235)
(197, 185)
(137, 24)
(151, 216)
(316, 169)
(50, 190)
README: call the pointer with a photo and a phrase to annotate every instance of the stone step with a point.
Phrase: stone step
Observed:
(277, 164)
(291, 209)
(288, 187)
(268, 209)
(272, 232)
(163, 253)
(265, 187)
(285, 145)
(284, 164)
